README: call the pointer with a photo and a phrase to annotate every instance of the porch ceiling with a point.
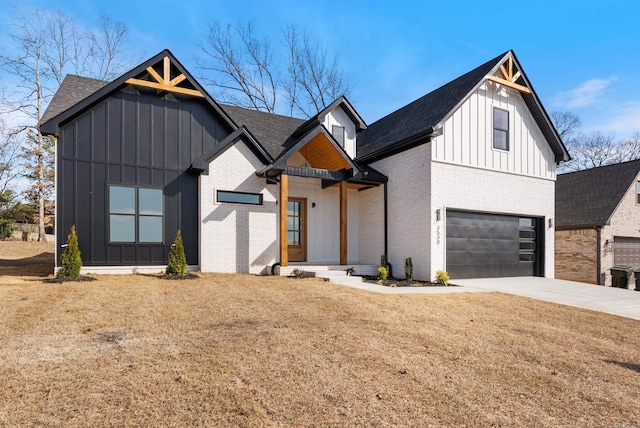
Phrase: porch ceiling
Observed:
(321, 154)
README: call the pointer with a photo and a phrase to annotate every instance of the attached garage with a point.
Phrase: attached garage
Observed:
(626, 251)
(483, 245)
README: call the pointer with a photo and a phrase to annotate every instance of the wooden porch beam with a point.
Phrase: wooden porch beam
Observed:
(343, 223)
(284, 202)
(510, 84)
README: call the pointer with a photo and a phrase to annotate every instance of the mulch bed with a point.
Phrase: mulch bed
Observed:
(397, 282)
(81, 278)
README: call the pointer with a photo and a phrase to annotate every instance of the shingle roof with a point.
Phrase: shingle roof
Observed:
(73, 89)
(271, 130)
(589, 197)
(412, 124)
(422, 114)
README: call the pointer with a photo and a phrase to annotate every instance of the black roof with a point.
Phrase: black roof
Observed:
(412, 124)
(50, 126)
(271, 130)
(72, 90)
(588, 198)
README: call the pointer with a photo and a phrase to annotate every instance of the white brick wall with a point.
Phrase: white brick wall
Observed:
(408, 207)
(371, 231)
(461, 187)
(237, 237)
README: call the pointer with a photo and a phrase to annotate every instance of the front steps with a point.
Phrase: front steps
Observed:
(333, 273)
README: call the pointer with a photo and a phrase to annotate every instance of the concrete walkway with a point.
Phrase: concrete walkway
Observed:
(615, 301)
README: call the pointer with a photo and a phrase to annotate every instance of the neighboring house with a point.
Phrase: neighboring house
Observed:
(461, 179)
(597, 222)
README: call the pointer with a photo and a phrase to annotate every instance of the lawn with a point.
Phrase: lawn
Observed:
(239, 350)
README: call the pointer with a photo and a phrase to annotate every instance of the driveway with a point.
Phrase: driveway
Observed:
(615, 301)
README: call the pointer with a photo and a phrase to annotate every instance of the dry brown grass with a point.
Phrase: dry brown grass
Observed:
(236, 350)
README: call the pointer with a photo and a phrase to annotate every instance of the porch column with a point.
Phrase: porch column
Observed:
(343, 222)
(284, 202)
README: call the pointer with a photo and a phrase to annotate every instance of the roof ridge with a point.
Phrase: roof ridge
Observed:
(600, 167)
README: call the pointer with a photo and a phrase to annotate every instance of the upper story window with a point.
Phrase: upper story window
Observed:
(338, 134)
(135, 214)
(638, 192)
(500, 129)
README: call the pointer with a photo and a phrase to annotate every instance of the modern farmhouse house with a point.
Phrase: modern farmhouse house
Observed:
(462, 179)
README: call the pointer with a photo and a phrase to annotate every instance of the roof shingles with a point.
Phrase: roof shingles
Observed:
(589, 197)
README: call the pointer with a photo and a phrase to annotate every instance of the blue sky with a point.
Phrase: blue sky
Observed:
(581, 56)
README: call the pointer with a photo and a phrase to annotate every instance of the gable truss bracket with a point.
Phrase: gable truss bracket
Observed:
(509, 77)
(165, 83)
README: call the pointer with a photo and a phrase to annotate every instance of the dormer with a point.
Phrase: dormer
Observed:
(343, 123)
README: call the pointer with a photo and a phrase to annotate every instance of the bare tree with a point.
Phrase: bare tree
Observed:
(314, 79)
(9, 157)
(595, 149)
(239, 65)
(45, 46)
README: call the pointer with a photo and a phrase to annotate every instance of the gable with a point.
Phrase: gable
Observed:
(418, 122)
(467, 135)
(162, 74)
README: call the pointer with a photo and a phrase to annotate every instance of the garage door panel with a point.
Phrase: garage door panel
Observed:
(490, 245)
(626, 251)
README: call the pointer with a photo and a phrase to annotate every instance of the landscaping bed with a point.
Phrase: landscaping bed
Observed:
(396, 282)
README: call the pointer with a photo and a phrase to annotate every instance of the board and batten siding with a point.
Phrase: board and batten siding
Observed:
(138, 139)
(338, 117)
(467, 137)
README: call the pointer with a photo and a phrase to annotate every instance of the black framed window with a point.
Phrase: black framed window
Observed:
(638, 192)
(338, 134)
(500, 129)
(135, 214)
(239, 197)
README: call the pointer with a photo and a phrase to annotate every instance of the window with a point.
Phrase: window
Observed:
(135, 214)
(239, 197)
(338, 134)
(500, 129)
(638, 192)
(527, 232)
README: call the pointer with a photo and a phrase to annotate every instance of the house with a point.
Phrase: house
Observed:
(461, 179)
(597, 222)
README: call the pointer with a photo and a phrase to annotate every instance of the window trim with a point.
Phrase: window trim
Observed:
(136, 215)
(495, 128)
(333, 128)
(218, 201)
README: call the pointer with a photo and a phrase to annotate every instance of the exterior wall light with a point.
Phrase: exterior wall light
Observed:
(438, 214)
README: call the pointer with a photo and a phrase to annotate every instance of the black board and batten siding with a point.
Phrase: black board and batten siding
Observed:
(134, 138)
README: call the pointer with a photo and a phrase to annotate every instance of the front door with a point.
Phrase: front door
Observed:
(297, 229)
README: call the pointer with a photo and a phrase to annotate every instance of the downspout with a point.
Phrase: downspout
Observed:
(386, 254)
(599, 254)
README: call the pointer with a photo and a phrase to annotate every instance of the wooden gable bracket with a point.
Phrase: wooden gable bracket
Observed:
(165, 83)
(509, 77)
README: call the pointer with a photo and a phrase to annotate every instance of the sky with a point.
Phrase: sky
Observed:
(580, 56)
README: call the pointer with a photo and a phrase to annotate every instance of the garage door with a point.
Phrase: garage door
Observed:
(481, 245)
(626, 251)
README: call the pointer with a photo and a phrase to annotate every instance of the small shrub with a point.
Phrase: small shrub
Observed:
(382, 273)
(177, 265)
(70, 260)
(6, 228)
(298, 273)
(408, 269)
(442, 277)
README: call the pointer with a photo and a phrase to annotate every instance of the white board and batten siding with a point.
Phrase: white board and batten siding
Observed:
(338, 117)
(467, 136)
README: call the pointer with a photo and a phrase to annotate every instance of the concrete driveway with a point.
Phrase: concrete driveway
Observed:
(615, 301)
